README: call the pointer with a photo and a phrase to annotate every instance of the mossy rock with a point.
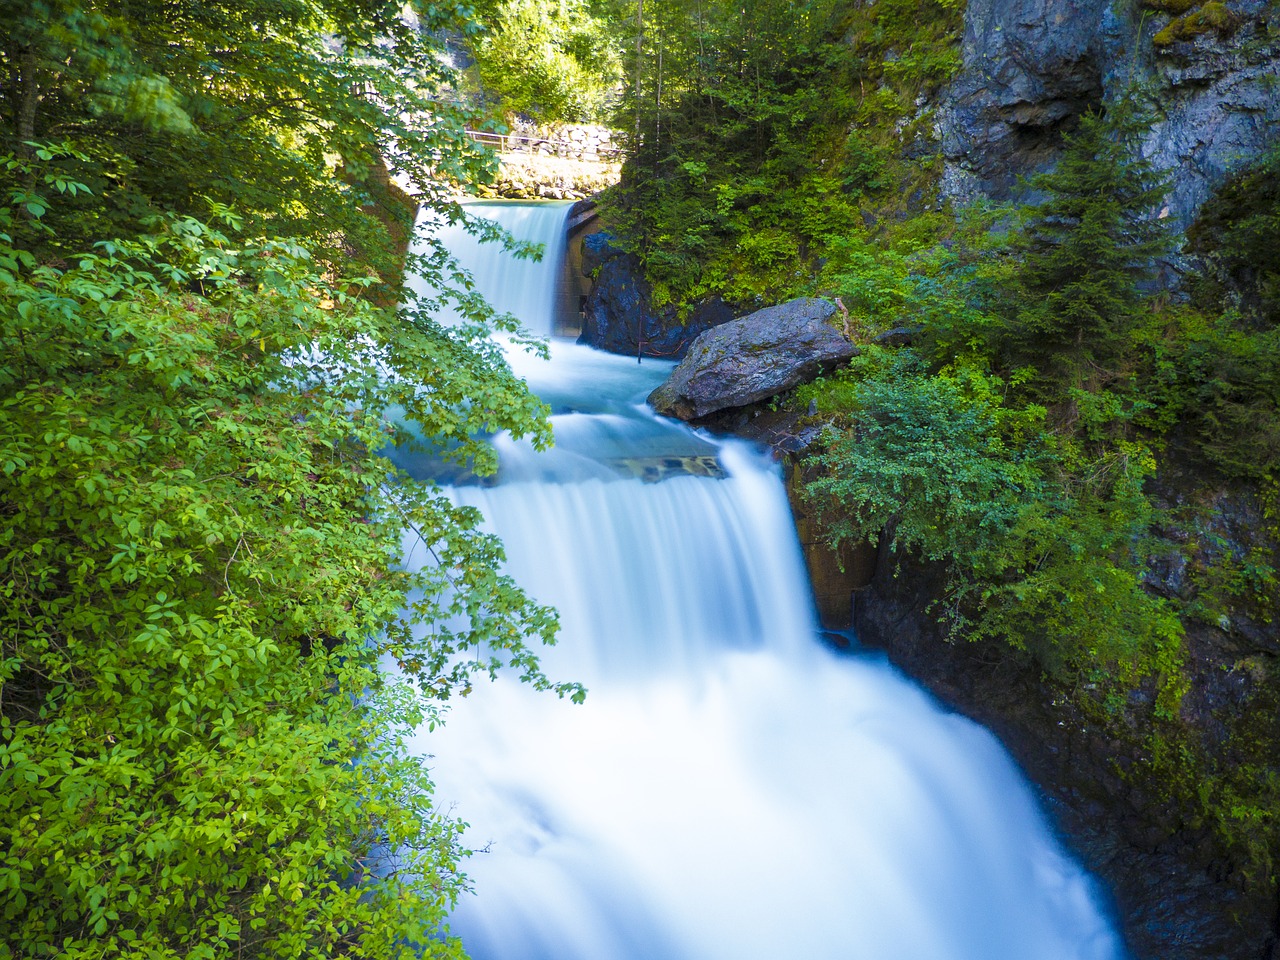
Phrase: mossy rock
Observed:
(1214, 15)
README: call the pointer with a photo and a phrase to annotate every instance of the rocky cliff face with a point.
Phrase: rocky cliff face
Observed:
(618, 314)
(1210, 77)
(1175, 894)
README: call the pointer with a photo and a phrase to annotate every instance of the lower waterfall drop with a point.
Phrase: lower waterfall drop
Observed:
(730, 790)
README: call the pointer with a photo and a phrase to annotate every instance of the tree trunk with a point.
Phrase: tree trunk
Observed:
(639, 65)
(28, 99)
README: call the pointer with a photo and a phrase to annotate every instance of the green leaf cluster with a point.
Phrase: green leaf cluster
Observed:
(1232, 392)
(549, 60)
(762, 134)
(1043, 534)
(287, 112)
(199, 753)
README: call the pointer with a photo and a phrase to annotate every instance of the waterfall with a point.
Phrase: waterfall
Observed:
(524, 287)
(730, 790)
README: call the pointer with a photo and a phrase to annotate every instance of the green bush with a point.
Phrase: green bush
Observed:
(199, 755)
(1042, 535)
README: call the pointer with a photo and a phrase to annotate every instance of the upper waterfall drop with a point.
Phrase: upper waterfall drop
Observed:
(526, 288)
(730, 790)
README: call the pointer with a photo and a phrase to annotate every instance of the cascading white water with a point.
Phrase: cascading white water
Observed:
(730, 790)
(520, 286)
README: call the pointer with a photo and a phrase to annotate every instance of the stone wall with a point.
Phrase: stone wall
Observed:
(524, 177)
(571, 141)
(564, 162)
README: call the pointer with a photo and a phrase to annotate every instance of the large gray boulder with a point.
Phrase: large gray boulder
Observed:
(754, 358)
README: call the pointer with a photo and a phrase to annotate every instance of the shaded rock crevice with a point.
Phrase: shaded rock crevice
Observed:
(618, 313)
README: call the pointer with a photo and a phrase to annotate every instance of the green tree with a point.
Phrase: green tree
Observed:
(200, 549)
(199, 755)
(763, 133)
(550, 59)
(1090, 250)
(1233, 365)
(284, 111)
(732, 175)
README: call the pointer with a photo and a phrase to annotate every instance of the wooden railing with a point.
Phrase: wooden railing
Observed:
(520, 143)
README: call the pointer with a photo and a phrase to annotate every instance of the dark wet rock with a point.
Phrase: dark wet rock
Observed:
(597, 250)
(752, 359)
(898, 336)
(619, 316)
(786, 432)
(581, 214)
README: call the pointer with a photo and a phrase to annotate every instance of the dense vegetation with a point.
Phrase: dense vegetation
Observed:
(1058, 428)
(199, 755)
(758, 128)
(547, 60)
(198, 238)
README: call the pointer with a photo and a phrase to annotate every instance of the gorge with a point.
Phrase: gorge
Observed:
(1039, 475)
(730, 788)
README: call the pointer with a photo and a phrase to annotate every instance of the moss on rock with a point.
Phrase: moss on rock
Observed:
(1214, 15)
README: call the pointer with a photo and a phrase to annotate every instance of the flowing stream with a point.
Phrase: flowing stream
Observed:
(730, 790)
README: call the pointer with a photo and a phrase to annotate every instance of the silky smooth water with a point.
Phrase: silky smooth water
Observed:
(730, 790)
(521, 286)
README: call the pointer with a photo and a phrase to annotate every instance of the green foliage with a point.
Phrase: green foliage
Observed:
(1042, 536)
(1238, 237)
(949, 295)
(1232, 382)
(762, 132)
(549, 59)
(199, 752)
(1087, 248)
(283, 111)
(1230, 365)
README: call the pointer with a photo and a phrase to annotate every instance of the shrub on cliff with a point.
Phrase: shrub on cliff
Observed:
(1042, 535)
(1089, 252)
